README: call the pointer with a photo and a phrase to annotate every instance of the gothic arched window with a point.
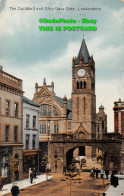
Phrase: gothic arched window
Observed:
(84, 84)
(77, 85)
(45, 110)
(80, 85)
(55, 112)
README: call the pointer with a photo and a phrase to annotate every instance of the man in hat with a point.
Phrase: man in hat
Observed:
(15, 189)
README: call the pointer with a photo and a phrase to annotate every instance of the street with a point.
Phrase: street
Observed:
(60, 185)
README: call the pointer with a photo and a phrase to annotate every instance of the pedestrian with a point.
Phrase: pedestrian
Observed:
(31, 177)
(55, 166)
(106, 173)
(35, 174)
(15, 189)
(1, 183)
(102, 173)
(92, 173)
(114, 180)
(64, 169)
(97, 172)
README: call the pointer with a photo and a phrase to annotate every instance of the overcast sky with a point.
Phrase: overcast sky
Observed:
(31, 54)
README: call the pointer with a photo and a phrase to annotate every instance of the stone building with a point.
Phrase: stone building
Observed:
(10, 123)
(101, 123)
(30, 135)
(119, 117)
(60, 117)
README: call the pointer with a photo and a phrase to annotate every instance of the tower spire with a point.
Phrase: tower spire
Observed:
(83, 52)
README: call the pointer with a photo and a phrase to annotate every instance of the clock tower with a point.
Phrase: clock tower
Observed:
(83, 94)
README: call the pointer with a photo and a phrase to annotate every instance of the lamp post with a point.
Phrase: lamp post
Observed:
(48, 132)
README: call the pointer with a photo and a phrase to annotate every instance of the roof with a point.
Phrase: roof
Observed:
(62, 102)
(69, 107)
(83, 52)
(28, 101)
(101, 107)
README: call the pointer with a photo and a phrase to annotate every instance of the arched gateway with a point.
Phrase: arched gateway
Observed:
(63, 145)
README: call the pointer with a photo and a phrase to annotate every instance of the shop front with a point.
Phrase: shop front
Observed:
(31, 160)
(4, 164)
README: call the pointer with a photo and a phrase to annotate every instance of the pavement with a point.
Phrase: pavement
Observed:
(24, 183)
(116, 191)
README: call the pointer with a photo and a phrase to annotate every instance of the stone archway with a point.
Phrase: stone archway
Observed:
(65, 143)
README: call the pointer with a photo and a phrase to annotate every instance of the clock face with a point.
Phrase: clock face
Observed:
(81, 72)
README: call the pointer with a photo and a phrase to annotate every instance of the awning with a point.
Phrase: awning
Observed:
(31, 152)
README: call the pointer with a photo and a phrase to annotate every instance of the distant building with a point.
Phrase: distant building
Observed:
(10, 124)
(101, 123)
(119, 117)
(30, 134)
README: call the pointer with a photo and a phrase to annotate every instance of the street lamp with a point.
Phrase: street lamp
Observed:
(48, 132)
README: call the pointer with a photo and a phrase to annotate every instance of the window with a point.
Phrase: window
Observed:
(48, 127)
(16, 109)
(98, 133)
(55, 111)
(45, 110)
(69, 125)
(102, 124)
(7, 108)
(6, 133)
(43, 128)
(34, 122)
(55, 154)
(4, 166)
(40, 128)
(80, 85)
(27, 121)
(34, 142)
(15, 134)
(56, 128)
(77, 85)
(27, 141)
(84, 84)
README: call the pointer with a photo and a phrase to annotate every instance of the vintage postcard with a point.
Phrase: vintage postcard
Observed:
(61, 97)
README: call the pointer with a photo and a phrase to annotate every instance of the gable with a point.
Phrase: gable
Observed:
(44, 96)
(81, 133)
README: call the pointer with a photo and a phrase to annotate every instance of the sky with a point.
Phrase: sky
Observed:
(31, 54)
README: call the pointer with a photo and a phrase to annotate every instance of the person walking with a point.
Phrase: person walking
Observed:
(1, 183)
(102, 173)
(97, 171)
(31, 177)
(106, 173)
(35, 174)
(15, 189)
(64, 169)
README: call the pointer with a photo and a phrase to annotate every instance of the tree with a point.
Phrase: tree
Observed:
(13, 163)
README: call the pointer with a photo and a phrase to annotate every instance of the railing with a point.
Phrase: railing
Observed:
(10, 78)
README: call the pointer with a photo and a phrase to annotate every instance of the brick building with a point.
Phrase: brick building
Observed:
(10, 123)
(119, 117)
(101, 123)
